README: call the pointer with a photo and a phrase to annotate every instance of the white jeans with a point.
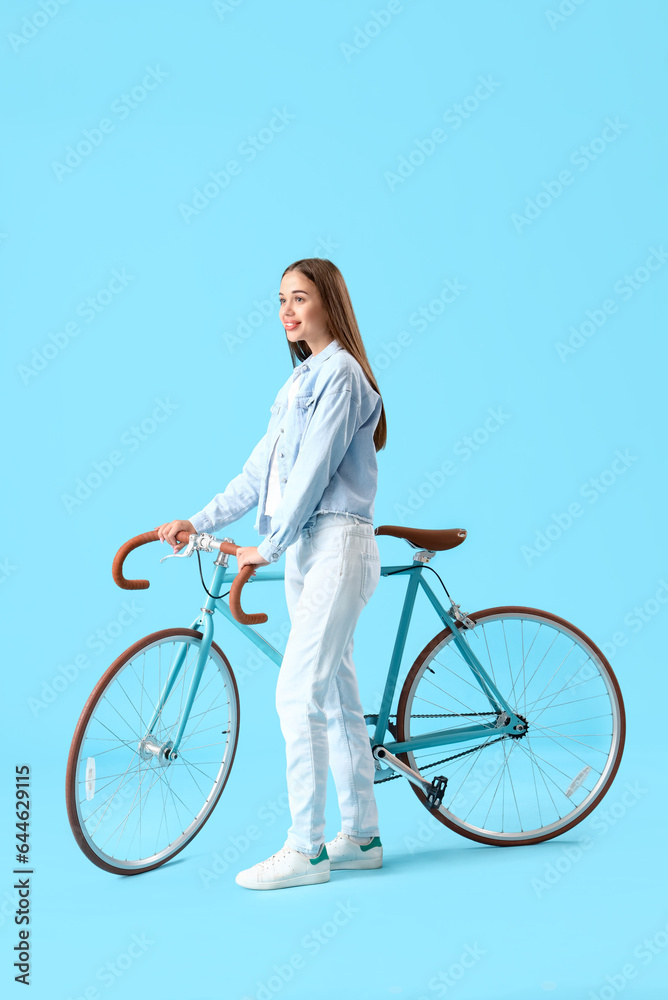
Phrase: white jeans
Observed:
(331, 571)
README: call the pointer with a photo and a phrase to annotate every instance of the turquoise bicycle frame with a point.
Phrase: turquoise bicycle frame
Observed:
(506, 718)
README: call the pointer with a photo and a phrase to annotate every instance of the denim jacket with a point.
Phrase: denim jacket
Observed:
(324, 450)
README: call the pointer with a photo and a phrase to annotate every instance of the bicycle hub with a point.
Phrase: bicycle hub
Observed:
(151, 747)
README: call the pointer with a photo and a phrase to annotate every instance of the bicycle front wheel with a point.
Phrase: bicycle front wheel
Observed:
(523, 789)
(130, 809)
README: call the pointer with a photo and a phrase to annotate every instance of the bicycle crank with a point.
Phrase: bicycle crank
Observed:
(433, 789)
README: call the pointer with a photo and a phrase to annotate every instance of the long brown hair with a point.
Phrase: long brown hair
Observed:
(341, 322)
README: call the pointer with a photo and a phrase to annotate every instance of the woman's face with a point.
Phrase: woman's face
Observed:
(301, 311)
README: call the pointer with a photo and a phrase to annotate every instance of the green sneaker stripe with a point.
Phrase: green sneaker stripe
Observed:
(374, 843)
(323, 856)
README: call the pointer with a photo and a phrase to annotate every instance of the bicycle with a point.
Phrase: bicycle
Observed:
(155, 742)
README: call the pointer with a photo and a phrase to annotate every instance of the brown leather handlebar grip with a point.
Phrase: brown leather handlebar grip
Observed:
(119, 559)
(235, 590)
(183, 536)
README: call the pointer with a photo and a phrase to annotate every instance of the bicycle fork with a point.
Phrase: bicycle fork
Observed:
(150, 745)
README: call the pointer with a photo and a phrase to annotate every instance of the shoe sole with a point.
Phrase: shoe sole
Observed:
(337, 866)
(286, 883)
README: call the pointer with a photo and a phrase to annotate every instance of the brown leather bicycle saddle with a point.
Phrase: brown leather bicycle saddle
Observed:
(423, 538)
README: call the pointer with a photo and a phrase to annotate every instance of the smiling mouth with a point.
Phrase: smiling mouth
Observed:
(291, 326)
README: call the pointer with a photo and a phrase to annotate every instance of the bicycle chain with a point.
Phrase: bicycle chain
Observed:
(446, 759)
(446, 715)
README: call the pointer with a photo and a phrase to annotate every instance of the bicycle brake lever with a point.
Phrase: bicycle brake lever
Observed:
(187, 551)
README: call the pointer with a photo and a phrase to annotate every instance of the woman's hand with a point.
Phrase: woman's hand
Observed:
(167, 532)
(248, 554)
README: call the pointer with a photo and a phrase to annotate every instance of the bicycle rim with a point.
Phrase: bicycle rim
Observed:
(504, 790)
(130, 811)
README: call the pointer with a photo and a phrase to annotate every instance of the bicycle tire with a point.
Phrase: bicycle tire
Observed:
(74, 777)
(545, 831)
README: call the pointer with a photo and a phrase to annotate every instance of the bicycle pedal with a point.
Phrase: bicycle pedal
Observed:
(435, 796)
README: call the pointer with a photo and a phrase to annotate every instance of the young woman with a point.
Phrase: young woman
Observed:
(313, 477)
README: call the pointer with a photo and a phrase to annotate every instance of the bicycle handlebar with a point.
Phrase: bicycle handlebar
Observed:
(183, 536)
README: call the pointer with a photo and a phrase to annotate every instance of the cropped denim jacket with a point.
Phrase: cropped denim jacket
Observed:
(324, 451)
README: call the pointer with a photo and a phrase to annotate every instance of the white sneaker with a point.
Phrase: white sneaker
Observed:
(344, 854)
(284, 869)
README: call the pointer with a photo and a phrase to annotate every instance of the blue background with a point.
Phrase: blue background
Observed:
(530, 255)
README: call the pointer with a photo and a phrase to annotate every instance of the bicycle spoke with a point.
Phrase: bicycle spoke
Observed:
(475, 687)
(550, 764)
(512, 788)
(192, 776)
(121, 741)
(473, 763)
(566, 736)
(204, 746)
(568, 749)
(575, 701)
(123, 822)
(484, 822)
(542, 660)
(467, 707)
(535, 788)
(542, 775)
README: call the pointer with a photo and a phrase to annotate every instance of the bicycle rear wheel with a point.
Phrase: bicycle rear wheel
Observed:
(512, 790)
(130, 809)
